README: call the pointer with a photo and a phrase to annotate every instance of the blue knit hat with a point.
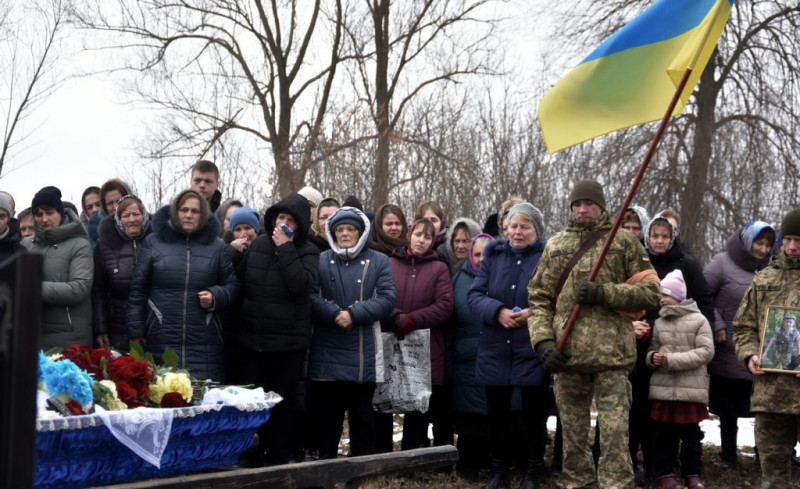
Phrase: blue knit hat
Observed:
(346, 215)
(245, 215)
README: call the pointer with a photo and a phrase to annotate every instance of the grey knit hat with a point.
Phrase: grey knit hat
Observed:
(533, 213)
(588, 190)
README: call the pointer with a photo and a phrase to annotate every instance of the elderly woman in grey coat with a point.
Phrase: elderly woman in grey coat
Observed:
(68, 271)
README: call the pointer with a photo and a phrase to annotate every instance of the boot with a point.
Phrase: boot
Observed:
(532, 472)
(693, 482)
(668, 482)
(498, 476)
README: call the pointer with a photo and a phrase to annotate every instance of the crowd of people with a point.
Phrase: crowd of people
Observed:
(296, 300)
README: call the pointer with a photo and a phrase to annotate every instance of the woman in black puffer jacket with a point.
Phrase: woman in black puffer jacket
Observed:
(183, 279)
(274, 328)
(120, 238)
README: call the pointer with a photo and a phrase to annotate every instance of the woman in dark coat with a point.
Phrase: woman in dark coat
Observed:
(120, 238)
(499, 297)
(469, 397)
(424, 300)
(277, 273)
(729, 274)
(183, 279)
(353, 293)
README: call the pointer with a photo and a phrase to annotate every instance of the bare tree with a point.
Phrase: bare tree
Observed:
(407, 50)
(732, 155)
(262, 69)
(30, 35)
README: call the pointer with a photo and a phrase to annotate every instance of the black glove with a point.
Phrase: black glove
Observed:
(554, 361)
(591, 293)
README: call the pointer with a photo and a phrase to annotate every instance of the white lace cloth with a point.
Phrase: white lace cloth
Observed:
(146, 430)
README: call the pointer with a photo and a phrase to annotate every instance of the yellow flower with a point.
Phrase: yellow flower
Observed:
(116, 405)
(157, 390)
(180, 383)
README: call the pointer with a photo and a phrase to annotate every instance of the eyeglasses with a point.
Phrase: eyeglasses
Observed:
(344, 228)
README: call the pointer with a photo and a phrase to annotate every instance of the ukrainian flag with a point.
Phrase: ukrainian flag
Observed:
(631, 78)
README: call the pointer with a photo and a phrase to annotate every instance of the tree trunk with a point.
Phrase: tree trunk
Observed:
(380, 18)
(692, 201)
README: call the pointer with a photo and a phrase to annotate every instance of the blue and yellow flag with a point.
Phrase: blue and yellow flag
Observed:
(631, 77)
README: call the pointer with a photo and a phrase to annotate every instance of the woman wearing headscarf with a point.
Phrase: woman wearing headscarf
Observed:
(324, 211)
(729, 274)
(469, 397)
(499, 297)
(455, 250)
(183, 280)
(67, 271)
(274, 327)
(424, 300)
(353, 293)
(120, 238)
(390, 230)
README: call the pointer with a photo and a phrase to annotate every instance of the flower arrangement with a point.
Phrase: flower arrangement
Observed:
(66, 382)
(113, 380)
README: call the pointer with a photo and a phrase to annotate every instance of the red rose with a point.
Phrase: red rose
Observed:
(75, 407)
(116, 367)
(138, 370)
(77, 350)
(126, 393)
(173, 399)
(100, 353)
(82, 361)
(141, 386)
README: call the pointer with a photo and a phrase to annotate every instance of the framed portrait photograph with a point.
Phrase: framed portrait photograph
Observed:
(780, 340)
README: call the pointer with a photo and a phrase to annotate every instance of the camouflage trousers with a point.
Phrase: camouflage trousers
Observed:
(776, 435)
(612, 392)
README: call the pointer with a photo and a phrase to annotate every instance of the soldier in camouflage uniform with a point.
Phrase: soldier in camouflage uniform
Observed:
(601, 350)
(776, 397)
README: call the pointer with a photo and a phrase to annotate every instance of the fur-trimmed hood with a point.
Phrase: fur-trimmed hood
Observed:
(167, 227)
(363, 239)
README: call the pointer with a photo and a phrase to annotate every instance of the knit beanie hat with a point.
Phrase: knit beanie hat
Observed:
(312, 195)
(245, 215)
(49, 196)
(790, 226)
(752, 231)
(352, 201)
(346, 215)
(588, 190)
(533, 214)
(674, 286)
(6, 204)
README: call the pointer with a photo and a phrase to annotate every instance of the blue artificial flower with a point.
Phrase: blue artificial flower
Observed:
(64, 377)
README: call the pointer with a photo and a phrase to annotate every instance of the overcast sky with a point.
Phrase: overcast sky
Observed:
(84, 135)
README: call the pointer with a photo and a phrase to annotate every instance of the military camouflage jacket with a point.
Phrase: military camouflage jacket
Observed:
(776, 285)
(601, 339)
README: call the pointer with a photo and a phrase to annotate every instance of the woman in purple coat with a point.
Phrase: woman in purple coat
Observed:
(729, 274)
(499, 297)
(424, 300)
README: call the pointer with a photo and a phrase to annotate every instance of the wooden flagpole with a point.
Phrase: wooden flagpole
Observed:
(639, 176)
